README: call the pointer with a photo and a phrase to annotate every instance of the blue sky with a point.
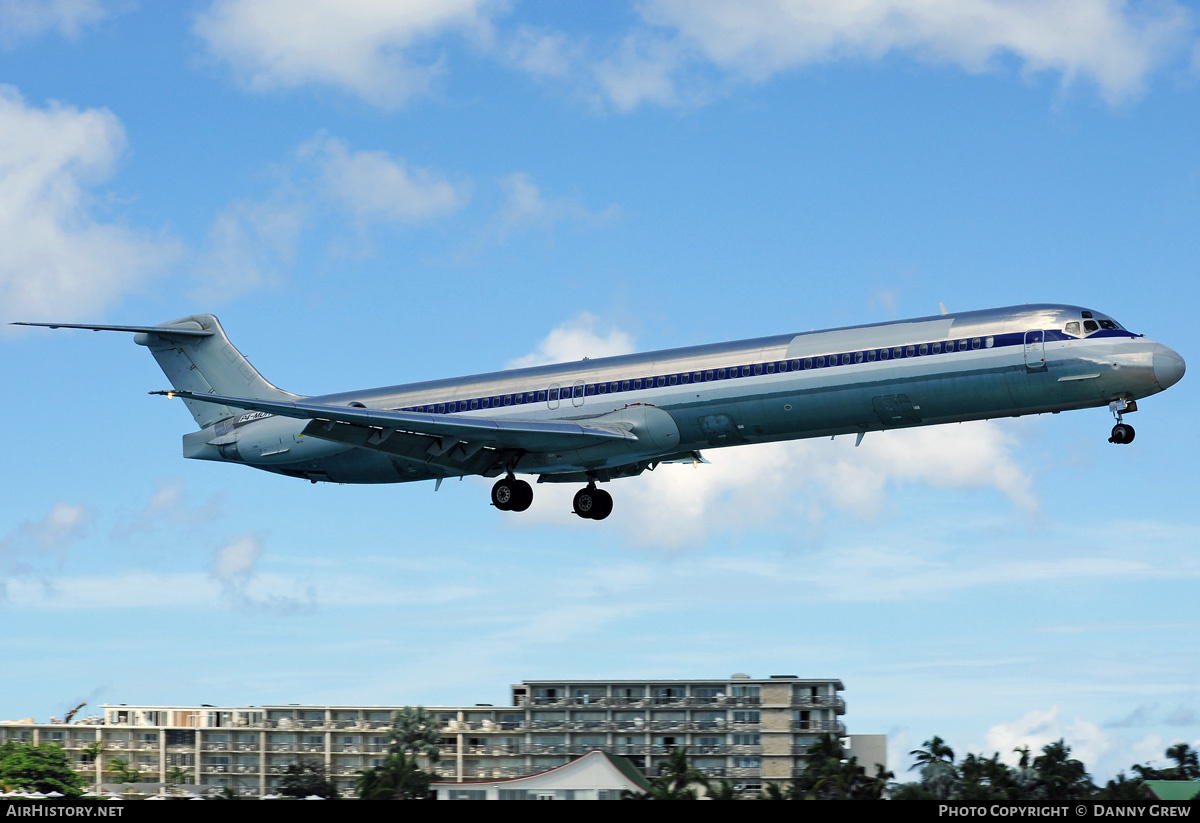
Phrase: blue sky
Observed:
(370, 193)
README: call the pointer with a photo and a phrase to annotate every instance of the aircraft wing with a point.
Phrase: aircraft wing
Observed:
(329, 422)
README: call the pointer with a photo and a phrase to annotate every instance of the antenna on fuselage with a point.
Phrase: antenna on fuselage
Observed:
(942, 306)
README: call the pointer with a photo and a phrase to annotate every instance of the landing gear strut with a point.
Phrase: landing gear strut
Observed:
(1122, 433)
(512, 495)
(592, 503)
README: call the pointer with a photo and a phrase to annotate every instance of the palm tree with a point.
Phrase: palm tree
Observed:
(415, 732)
(399, 778)
(1188, 760)
(1061, 778)
(723, 791)
(675, 780)
(936, 762)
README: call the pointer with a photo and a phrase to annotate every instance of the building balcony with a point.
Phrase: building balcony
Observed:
(834, 726)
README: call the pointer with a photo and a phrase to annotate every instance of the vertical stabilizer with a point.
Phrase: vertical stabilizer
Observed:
(205, 364)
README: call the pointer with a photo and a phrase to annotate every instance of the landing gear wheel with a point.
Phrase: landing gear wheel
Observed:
(1122, 433)
(505, 494)
(592, 503)
(603, 505)
(522, 496)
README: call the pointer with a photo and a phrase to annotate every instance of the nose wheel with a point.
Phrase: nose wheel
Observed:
(1122, 433)
(512, 495)
(592, 503)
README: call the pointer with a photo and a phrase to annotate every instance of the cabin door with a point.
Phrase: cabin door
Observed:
(1035, 351)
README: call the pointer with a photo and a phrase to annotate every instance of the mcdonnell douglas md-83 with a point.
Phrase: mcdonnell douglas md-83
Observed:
(596, 420)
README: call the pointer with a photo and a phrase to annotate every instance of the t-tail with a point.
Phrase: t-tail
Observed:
(197, 357)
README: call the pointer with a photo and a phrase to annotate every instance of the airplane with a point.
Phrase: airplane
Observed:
(593, 421)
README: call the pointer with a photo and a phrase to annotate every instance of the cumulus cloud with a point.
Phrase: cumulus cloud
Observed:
(1039, 728)
(234, 568)
(382, 51)
(34, 542)
(574, 340)
(58, 259)
(250, 245)
(375, 186)
(20, 19)
(1110, 44)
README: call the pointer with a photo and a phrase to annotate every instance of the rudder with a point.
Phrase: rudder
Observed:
(206, 364)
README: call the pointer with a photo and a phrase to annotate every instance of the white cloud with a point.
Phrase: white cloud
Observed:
(751, 486)
(574, 340)
(58, 261)
(1037, 729)
(373, 185)
(249, 246)
(1108, 43)
(235, 560)
(379, 50)
(34, 542)
(29, 18)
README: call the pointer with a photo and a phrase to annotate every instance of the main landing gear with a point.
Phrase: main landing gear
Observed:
(512, 495)
(592, 503)
(1122, 433)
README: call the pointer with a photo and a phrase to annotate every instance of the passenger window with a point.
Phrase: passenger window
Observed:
(720, 374)
(474, 404)
(541, 397)
(637, 384)
(871, 356)
(591, 389)
(673, 380)
(845, 360)
(988, 341)
(708, 375)
(975, 343)
(771, 368)
(821, 362)
(808, 362)
(962, 345)
(796, 365)
(508, 399)
(758, 368)
(924, 349)
(858, 357)
(897, 352)
(910, 351)
(883, 354)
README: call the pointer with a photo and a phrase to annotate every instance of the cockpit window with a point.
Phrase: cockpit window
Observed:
(1072, 328)
(1090, 326)
(1109, 324)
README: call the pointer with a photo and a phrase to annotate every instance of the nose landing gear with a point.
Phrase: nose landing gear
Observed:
(1122, 433)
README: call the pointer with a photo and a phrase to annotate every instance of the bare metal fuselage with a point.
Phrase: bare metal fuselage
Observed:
(941, 369)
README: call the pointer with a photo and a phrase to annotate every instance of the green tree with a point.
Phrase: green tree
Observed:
(939, 777)
(178, 775)
(415, 732)
(399, 778)
(121, 771)
(724, 790)
(1061, 778)
(307, 778)
(44, 768)
(676, 780)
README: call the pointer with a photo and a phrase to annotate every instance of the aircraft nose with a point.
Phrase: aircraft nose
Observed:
(1168, 366)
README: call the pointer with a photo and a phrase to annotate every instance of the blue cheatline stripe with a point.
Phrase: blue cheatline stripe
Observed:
(766, 368)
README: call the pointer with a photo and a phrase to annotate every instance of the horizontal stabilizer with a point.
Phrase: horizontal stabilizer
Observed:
(527, 435)
(174, 331)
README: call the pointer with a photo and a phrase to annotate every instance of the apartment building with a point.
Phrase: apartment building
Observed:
(748, 730)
